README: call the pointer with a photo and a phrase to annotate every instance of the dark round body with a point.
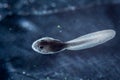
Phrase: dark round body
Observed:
(52, 45)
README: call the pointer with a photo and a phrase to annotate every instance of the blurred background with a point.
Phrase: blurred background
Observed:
(24, 21)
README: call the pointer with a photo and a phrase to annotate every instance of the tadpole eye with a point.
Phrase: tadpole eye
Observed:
(41, 47)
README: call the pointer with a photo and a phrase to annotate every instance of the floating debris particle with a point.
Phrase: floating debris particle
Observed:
(65, 78)
(24, 72)
(59, 26)
(48, 78)
(81, 79)
(60, 31)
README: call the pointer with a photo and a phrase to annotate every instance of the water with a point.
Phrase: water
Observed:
(64, 20)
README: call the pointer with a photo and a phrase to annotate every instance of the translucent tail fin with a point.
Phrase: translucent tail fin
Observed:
(91, 40)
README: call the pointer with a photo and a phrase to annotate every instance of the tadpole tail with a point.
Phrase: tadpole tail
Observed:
(90, 40)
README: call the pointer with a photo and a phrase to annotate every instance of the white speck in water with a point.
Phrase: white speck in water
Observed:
(58, 26)
(60, 31)
(24, 72)
(65, 78)
(81, 79)
(72, 7)
(48, 78)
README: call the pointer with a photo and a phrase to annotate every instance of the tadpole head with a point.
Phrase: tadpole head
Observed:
(41, 45)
